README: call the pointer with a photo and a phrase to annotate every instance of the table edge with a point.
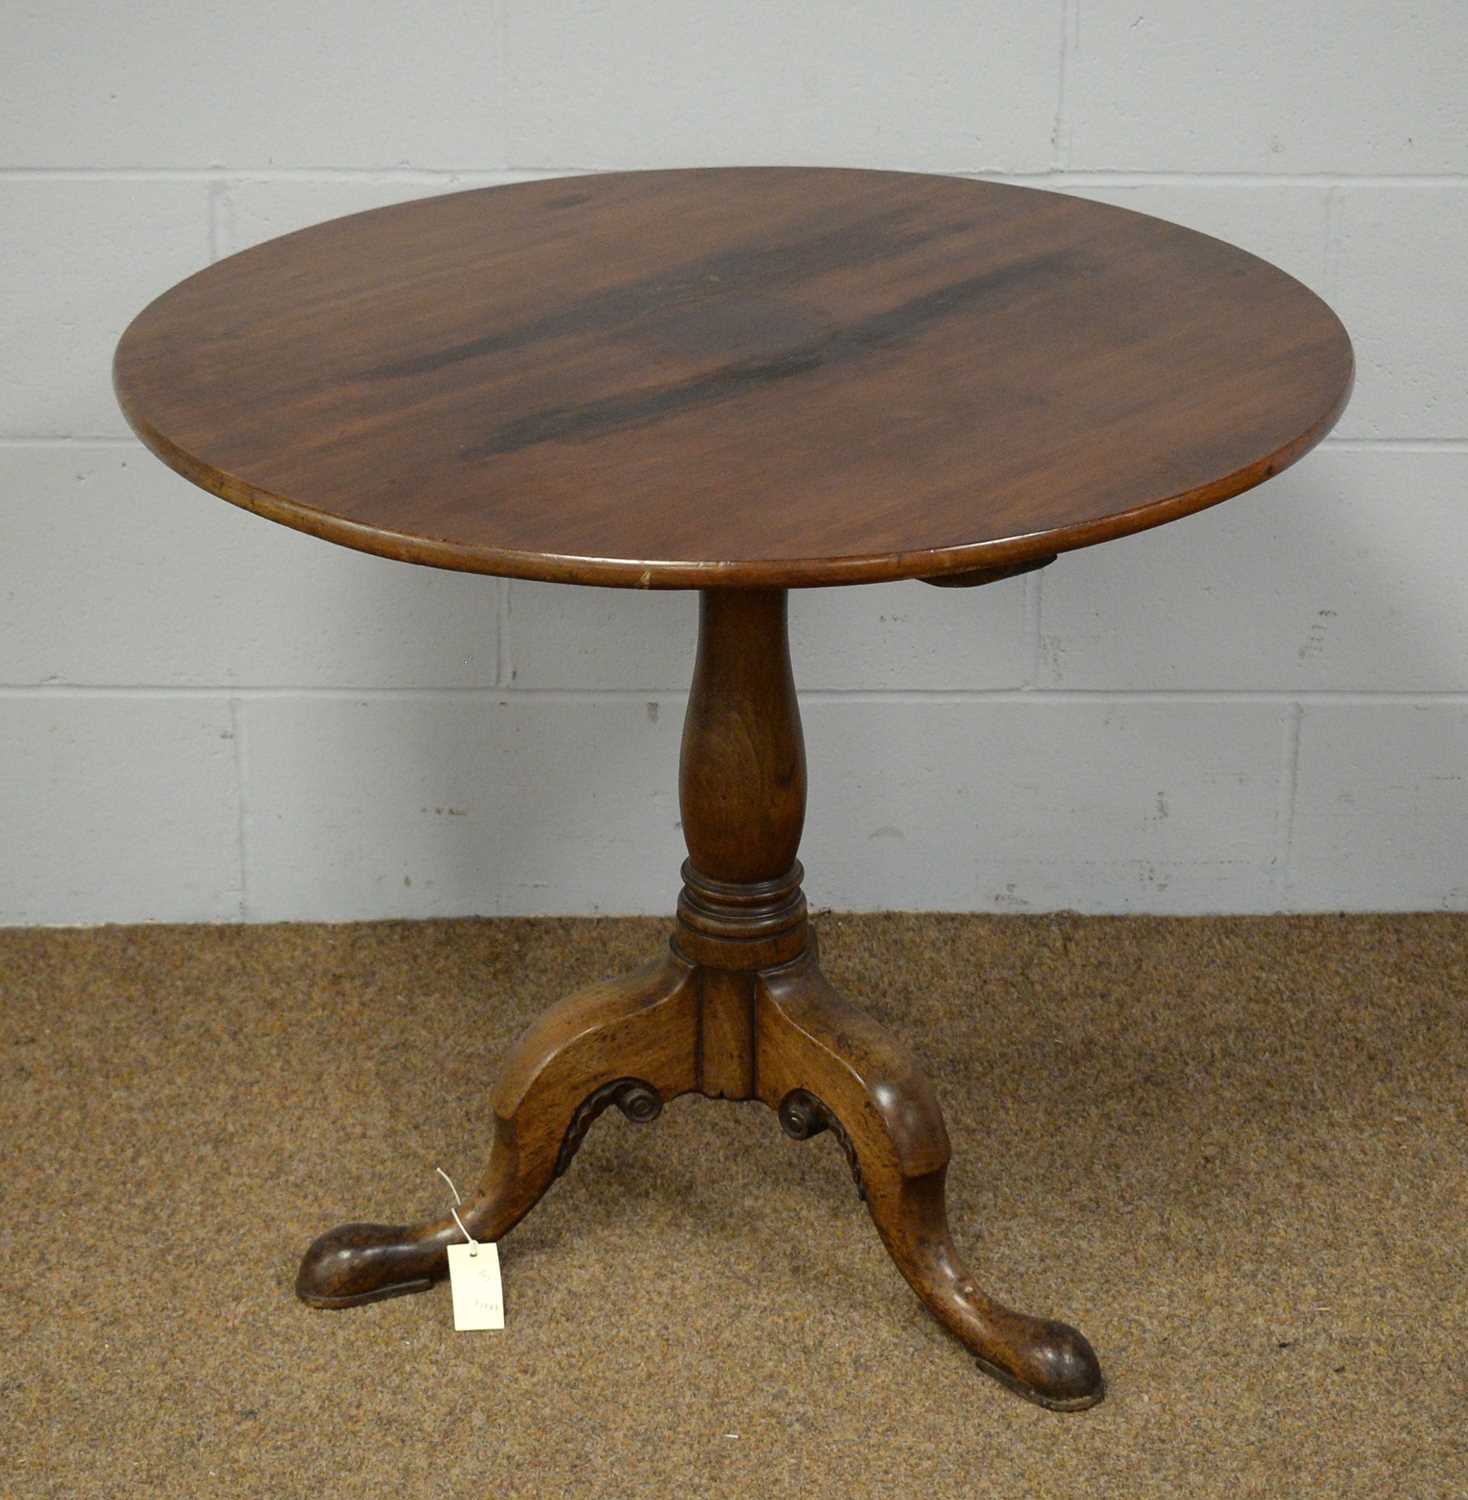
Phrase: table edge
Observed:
(657, 573)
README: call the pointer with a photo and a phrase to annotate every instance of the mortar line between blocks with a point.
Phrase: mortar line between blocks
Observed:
(471, 175)
(1032, 613)
(675, 695)
(503, 671)
(1060, 131)
(1285, 810)
(1396, 445)
(1330, 272)
(241, 769)
(68, 441)
(1057, 177)
(212, 193)
(444, 176)
(502, 70)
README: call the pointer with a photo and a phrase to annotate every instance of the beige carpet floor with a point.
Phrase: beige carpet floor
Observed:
(1233, 1151)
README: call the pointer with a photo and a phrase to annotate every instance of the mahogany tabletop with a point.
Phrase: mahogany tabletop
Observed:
(749, 377)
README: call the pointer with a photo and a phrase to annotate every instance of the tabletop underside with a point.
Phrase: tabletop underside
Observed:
(761, 377)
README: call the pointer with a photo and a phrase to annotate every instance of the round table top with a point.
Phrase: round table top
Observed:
(745, 377)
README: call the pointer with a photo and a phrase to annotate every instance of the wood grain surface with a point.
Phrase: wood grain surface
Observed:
(745, 377)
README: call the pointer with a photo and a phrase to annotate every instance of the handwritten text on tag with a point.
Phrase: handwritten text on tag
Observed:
(474, 1278)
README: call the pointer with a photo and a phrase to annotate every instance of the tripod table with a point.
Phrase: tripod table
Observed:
(740, 381)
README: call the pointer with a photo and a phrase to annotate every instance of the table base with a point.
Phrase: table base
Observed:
(738, 1008)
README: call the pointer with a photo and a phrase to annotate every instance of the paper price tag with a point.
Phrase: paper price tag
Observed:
(474, 1279)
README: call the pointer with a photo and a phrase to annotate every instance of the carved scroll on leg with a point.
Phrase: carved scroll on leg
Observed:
(825, 1066)
(629, 1042)
(638, 1100)
(802, 1115)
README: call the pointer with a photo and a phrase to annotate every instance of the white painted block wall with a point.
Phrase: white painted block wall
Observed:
(207, 717)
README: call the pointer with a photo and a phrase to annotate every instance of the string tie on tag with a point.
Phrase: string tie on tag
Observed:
(473, 1243)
